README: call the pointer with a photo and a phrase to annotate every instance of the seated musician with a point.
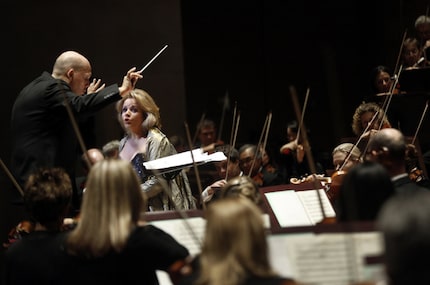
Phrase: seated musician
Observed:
(31, 256)
(250, 162)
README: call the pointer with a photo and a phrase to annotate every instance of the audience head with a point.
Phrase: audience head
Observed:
(242, 186)
(47, 197)
(404, 222)
(342, 152)
(236, 249)
(364, 115)
(111, 207)
(249, 159)
(364, 190)
(111, 149)
(138, 112)
(74, 69)
(388, 147)
(206, 132)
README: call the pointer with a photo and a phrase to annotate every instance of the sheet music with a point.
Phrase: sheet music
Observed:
(329, 258)
(184, 159)
(288, 208)
(299, 208)
(178, 229)
(310, 258)
(311, 201)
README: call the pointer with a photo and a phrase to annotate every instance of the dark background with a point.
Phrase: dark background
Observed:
(254, 50)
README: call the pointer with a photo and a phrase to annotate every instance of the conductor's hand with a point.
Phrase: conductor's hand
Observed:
(129, 81)
(95, 86)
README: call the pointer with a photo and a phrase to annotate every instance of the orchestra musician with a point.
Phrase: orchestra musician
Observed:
(388, 147)
(31, 255)
(344, 157)
(112, 242)
(235, 252)
(422, 29)
(367, 119)
(250, 162)
(293, 156)
(365, 188)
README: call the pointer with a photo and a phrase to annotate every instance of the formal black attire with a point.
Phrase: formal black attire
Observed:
(403, 184)
(148, 249)
(42, 130)
(34, 259)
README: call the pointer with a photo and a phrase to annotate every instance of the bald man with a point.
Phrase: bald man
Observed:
(43, 134)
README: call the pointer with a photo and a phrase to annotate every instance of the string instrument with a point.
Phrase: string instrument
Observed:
(338, 176)
(309, 156)
(415, 173)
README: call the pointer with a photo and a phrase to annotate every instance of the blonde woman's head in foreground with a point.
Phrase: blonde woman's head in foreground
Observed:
(235, 243)
(111, 208)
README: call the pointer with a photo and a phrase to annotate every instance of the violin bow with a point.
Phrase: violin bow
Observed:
(388, 99)
(399, 55)
(309, 155)
(420, 122)
(75, 127)
(233, 135)
(9, 174)
(196, 169)
(303, 114)
(258, 145)
(225, 106)
(199, 125)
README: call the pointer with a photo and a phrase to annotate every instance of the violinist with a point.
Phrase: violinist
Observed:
(368, 118)
(345, 156)
(412, 54)
(422, 29)
(31, 255)
(381, 80)
(250, 162)
(293, 156)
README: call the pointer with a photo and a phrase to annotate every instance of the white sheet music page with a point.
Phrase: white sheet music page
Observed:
(327, 258)
(299, 208)
(288, 208)
(313, 207)
(184, 159)
(179, 230)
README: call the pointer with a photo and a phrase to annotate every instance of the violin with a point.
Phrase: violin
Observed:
(336, 182)
(23, 228)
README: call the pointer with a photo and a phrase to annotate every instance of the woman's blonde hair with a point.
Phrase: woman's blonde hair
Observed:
(235, 244)
(111, 208)
(146, 105)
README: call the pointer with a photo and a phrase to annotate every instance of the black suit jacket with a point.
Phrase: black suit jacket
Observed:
(43, 135)
(406, 185)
